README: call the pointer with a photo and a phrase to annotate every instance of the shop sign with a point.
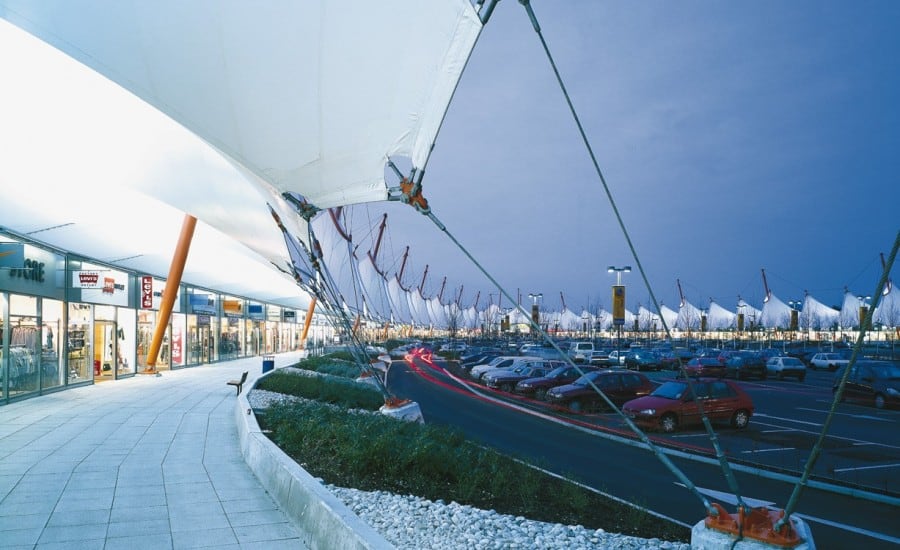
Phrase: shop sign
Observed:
(202, 303)
(102, 286)
(618, 299)
(32, 270)
(152, 290)
(146, 292)
(255, 311)
(232, 308)
(85, 279)
(12, 255)
(289, 315)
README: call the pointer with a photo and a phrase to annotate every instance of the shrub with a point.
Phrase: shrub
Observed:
(337, 391)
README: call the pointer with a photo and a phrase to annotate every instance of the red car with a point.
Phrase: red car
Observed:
(704, 366)
(673, 405)
(617, 385)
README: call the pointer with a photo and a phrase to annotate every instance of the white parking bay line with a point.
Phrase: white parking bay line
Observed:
(863, 416)
(789, 420)
(770, 450)
(897, 465)
(776, 431)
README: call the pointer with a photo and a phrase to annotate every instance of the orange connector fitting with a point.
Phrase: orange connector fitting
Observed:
(759, 525)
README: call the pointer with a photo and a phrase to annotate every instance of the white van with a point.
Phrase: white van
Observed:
(580, 352)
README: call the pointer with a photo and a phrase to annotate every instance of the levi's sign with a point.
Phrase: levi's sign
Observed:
(146, 292)
(86, 279)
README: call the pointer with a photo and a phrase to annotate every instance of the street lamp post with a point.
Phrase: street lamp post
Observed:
(535, 311)
(618, 300)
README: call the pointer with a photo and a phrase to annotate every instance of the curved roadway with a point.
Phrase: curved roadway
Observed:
(597, 451)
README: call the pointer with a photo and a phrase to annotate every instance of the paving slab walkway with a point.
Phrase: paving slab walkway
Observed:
(149, 462)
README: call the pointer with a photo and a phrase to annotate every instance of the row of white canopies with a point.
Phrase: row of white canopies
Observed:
(414, 309)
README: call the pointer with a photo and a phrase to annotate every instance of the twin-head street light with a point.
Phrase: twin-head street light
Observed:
(618, 271)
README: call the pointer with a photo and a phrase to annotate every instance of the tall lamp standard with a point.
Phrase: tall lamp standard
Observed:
(863, 312)
(535, 311)
(618, 301)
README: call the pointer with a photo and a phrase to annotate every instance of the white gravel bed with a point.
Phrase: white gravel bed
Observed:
(411, 522)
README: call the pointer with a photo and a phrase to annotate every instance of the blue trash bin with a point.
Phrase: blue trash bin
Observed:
(268, 363)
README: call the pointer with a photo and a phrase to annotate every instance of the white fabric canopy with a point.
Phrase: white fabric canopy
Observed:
(719, 317)
(314, 104)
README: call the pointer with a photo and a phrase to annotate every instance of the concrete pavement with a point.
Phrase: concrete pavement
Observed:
(150, 462)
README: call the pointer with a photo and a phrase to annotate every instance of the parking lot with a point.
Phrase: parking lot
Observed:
(861, 448)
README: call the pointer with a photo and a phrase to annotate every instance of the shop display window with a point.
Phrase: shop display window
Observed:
(52, 373)
(24, 345)
(78, 343)
(125, 342)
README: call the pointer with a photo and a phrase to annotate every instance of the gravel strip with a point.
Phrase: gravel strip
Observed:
(411, 522)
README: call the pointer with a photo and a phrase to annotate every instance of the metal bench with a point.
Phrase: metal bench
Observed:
(238, 384)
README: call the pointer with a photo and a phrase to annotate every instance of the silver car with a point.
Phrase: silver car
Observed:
(779, 367)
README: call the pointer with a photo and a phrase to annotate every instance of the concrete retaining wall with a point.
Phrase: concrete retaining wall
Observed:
(325, 520)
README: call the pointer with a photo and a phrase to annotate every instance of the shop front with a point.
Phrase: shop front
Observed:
(202, 327)
(171, 351)
(101, 323)
(32, 289)
(232, 337)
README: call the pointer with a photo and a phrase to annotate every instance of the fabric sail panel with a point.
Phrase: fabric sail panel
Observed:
(301, 97)
(337, 255)
(688, 317)
(375, 292)
(399, 302)
(720, 318)
(297, 93)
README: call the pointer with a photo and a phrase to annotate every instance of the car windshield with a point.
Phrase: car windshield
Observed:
(670, 390)
(887, 372)
(557, 372)
(585, 379)
(791, 361)
(496, 361)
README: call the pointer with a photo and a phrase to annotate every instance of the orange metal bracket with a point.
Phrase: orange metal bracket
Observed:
(758, 525)
(416, 199)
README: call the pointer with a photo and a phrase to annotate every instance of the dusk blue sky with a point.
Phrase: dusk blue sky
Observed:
(734, 137)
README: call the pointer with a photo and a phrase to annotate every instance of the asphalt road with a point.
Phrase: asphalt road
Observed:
(598, 451)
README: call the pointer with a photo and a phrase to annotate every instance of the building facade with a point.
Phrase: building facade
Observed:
(66, 321)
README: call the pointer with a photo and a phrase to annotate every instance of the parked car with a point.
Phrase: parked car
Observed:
(565, 374)
(619, 386)
(831, 361)
(506, 380)
(599, 357)
(503, 362)
(580, 352)
(616, 358)
(704, 366)
(470, 360)
(643, 359)
(779, 367)
(402, 350)
(872, 383)
(745, 365)
(453, 347)
(673, 405)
